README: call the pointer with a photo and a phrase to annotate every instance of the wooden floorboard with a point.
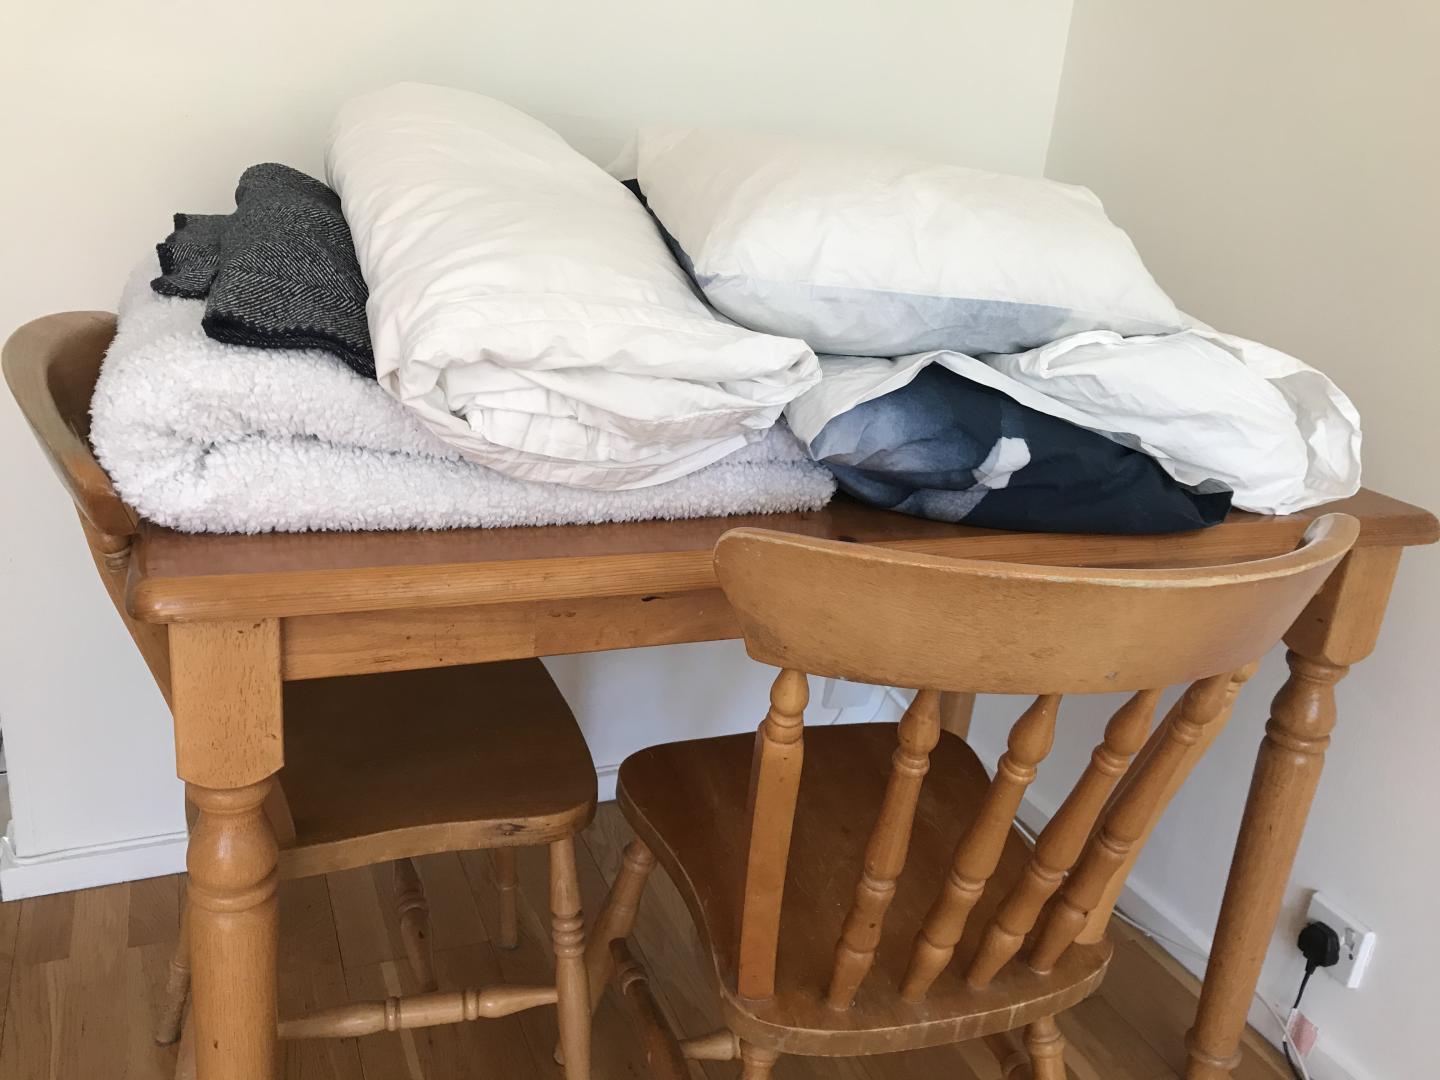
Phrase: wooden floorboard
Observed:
(80, 975)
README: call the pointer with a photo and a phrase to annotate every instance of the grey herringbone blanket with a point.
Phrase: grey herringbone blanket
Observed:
(278, 273)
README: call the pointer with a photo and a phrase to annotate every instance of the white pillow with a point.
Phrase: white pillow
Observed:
(524, 305)
(869, 254)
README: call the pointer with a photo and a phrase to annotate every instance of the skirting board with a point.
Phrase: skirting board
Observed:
(606, 776)
(23, 876)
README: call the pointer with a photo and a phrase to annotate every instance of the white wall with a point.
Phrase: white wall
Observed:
(116, 115)
(1278, 164)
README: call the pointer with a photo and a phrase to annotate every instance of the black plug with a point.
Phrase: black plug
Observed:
(1320, 946)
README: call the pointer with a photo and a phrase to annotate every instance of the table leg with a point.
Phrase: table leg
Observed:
(226, 697)
(1338, 629)
(234, 922)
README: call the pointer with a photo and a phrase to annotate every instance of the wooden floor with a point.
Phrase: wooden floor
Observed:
(79, 974)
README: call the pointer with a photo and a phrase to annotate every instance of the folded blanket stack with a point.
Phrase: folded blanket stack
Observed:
(528, 342)
(205, 436)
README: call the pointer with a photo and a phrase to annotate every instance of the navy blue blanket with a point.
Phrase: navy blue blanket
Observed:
(946, 448)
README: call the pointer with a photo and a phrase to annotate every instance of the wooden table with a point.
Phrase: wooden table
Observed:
(246, 613)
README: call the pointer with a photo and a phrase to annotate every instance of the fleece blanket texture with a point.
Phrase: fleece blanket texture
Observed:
(204, 436)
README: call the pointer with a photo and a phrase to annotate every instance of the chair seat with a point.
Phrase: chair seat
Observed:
(687, 801)
(401, 764)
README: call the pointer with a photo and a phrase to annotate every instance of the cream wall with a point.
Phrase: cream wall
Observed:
(115, 115)
(1278, 164)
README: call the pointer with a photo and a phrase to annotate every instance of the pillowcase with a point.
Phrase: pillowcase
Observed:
(869, 254)
(525, 306)
(946, 448)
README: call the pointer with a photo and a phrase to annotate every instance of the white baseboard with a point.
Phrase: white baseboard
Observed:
(22, 876)
(606, 776)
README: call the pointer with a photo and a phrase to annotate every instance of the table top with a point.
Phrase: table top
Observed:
(179, 577)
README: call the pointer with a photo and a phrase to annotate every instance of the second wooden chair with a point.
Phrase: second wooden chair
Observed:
(883, 899)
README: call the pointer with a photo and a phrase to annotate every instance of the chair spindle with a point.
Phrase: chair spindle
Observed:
(885, 853)
(979, 850)
(416, 1011)
(774, 787)
(1063, 838)
(1127, 818)
(414, 913)
(1099, 919)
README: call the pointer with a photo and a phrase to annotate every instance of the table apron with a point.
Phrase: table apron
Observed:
(354, 643)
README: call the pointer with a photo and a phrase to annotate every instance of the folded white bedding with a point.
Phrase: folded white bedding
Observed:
(524, 305)
(1207, 406)
(207, 437)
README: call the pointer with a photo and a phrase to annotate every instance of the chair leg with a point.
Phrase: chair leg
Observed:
(567, 932)
(177, 987)
(414, 912)
(617, 918)
(507, 882)
(1014, 1062)
(756, 1062)
(1046, 1047)
(185, 1062)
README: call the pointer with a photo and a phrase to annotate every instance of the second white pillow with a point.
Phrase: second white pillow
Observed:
(869, 254)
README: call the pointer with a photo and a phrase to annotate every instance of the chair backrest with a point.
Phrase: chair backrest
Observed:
(51, 365)
(934, 624)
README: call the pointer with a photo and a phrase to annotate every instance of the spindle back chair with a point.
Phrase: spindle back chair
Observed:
(791, 874)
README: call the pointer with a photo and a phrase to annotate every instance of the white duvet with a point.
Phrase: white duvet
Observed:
(207, 437)
(524, 306)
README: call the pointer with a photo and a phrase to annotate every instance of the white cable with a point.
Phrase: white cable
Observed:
(1285, 1039)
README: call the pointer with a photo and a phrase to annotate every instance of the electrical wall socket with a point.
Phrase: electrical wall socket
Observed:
(1357, 941)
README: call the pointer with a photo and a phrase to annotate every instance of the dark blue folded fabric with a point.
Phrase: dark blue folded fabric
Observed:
(946, 448)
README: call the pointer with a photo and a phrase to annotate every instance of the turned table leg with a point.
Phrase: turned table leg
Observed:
(226, 697)
(234, 921)
(1338, 629)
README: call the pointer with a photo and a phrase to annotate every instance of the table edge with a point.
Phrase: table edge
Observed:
(284, 594)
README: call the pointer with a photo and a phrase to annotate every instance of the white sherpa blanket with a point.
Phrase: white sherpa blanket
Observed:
(207, 437)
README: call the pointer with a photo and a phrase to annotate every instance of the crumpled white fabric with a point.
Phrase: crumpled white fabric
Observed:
(1207, 406)
(207, 437)
(524, 306)
(1281, 435)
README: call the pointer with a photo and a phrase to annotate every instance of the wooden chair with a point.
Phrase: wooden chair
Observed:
(378, 768)
(883, 899)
